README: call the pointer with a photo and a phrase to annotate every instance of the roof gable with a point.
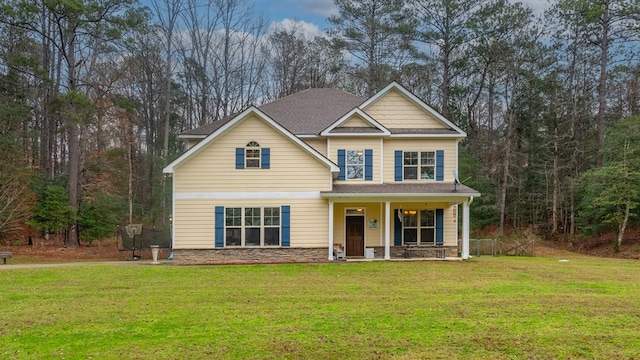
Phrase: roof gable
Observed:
(417, 116)
(355, 122)
(232, 123)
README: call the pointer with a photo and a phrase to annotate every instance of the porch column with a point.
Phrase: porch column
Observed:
(330, 230)
(465, 229)
(387, 230)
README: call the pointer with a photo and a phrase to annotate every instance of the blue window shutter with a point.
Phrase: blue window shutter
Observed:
(265, 154)
(439, 165)
(239, 158)
(286, 225)
(397, 227)
(439, 226)
(398, 165)
(368, 164)
(219, 226)
(341, 162)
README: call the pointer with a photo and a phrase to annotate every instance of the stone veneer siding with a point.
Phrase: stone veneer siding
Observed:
(283, 255)
(249, 256)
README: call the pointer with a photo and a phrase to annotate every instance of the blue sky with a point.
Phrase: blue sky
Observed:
(310, 11)
(315, 12)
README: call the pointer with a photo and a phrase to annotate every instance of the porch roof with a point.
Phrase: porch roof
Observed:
(432, 191)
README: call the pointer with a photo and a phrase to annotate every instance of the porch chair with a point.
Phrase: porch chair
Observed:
(339, 254)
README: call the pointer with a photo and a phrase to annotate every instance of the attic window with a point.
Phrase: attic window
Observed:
(252, 155)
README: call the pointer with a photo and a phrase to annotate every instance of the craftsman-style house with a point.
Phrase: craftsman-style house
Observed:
(318, 175)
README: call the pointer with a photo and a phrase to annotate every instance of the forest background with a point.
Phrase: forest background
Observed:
(93, 94)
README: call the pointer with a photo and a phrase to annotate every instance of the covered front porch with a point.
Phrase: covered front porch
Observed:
(399, 221)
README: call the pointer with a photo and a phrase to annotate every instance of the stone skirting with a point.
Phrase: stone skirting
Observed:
(249, 256)
(292, 255)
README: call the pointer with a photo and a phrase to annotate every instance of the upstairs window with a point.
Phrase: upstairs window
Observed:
(419, 165)
(355, 164)
(252, 155)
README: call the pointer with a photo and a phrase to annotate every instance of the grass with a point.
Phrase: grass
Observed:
(487, 308)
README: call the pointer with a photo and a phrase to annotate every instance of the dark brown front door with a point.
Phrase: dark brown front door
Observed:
(355, 235)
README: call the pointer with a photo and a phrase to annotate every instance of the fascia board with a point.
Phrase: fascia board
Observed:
(366, 117)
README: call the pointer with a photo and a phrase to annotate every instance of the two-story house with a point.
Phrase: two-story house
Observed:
(319, 170)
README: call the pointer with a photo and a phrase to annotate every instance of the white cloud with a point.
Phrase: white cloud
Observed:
(308, 29)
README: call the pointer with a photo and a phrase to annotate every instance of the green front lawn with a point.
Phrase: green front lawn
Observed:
(486, 308)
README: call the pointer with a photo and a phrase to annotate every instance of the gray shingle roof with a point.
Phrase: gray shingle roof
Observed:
(304, 113)
(311, 111)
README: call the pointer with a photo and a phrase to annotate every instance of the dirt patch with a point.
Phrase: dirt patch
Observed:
(55, 251)
(600, 246)
(603, 245)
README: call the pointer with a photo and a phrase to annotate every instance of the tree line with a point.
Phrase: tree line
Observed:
(93, 94)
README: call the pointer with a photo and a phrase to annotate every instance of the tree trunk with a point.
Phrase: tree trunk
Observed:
(556, 185)
(602, 84)
(73, 142)
(502, 205)
(623, 226)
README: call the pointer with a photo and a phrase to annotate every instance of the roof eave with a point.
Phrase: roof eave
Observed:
(403, 196)
(439, 136)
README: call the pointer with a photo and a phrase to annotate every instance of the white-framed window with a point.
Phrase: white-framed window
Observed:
(252, 155)
(354, 164)
(419, 165)
(271, 226)
(252, 226)
(419, 227)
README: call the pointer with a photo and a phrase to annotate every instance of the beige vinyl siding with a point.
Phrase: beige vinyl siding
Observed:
(358, 143)
(355, 121)
(194, 221)
(450, 147)
(393, 110)
(320, 144)
(213, 168)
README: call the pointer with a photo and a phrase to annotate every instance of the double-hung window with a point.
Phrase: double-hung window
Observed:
(272, 226)
(419, 165)
(252, 155)
(252, 226)
(233, 225)
(419, 227)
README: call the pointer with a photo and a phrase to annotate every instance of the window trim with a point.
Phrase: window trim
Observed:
(347, 164)
(419, 227)
(253, 148)
(243, 227)
(419, 166)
